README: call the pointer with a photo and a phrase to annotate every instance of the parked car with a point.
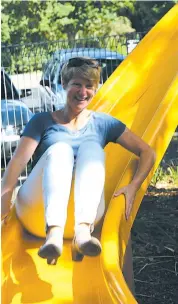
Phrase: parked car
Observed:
(51, 77)
(14, 116)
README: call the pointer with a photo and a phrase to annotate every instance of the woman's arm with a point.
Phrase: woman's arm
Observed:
(147, 157)
(21, 156)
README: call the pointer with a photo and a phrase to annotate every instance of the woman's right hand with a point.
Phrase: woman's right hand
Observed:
(5, 204)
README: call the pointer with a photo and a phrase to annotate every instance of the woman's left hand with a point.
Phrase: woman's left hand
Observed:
(129, 192)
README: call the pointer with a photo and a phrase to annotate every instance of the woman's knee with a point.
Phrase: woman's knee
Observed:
(60, 149)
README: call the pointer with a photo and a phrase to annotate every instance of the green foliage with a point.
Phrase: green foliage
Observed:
(158, 176)
(166, 175)
(31, 21)
(101, 18)
(28, 22)
(147, 13)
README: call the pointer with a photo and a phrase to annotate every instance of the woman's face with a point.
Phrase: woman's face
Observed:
(79, 93)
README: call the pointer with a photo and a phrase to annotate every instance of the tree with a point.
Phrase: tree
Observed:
(27, 22)
(147, 13)
(31, 21)
(97, 18)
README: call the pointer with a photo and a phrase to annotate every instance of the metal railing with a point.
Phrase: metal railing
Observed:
(32, 56)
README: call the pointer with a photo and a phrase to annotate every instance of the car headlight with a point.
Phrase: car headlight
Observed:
(12, 130)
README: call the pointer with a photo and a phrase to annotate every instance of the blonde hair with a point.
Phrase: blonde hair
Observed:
(86, 71)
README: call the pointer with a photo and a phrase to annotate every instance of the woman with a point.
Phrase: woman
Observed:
(66, 143)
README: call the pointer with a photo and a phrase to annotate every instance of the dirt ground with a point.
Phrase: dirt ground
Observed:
(155, 248)
(155, 245)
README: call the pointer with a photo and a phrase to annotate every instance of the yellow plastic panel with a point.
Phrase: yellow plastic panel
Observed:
(142, 92)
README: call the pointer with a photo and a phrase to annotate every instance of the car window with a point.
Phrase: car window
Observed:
(108, 67)
(47, 69)
(50, 70)
(55, 70)
(59, 75)
(8, 91)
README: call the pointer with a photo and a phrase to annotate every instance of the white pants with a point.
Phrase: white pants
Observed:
(52, 177)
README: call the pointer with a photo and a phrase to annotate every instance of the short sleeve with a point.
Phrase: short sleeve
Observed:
(114, 128)
(34, 127)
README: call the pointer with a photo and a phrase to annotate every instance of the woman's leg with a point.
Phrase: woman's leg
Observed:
(89, 182)
(88, 190)
(49, 182)
(56, 184)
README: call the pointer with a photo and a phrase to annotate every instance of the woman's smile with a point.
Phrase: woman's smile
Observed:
(81, 99)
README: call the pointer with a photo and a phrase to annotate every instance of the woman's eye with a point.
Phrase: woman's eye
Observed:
(76, 84)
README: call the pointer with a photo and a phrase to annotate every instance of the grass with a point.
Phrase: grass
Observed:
(166, 175)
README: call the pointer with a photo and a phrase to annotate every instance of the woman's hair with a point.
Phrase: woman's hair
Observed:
(82, 67)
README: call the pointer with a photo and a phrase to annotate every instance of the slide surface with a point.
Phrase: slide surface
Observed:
(143, 93)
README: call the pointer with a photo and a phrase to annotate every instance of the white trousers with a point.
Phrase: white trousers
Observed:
(52, 177)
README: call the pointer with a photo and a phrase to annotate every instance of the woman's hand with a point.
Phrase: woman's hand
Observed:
(5, 204)
(129, 192)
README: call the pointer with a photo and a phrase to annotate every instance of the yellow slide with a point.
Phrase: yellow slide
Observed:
(143, 93)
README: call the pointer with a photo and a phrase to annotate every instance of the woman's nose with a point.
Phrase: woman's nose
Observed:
(83, 90)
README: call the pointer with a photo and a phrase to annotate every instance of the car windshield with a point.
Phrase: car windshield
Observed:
(108, 67)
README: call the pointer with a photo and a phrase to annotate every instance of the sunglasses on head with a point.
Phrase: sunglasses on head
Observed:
(79, 61)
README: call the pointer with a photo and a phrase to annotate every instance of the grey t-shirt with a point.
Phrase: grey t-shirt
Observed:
(101, 128)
